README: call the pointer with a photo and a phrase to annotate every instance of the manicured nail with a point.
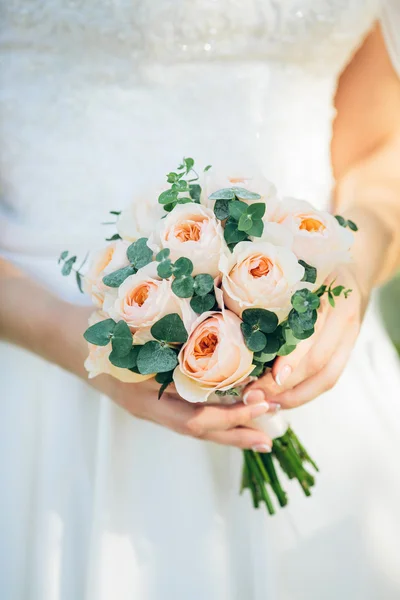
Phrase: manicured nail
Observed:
(254, 397)
(283, 374)
(274, 407)
(258, 409)
(262, 448)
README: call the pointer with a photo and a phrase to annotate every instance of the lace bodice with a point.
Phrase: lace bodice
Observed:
(99, 97)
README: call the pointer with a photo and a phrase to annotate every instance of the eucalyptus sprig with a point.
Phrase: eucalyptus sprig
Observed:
(242, 220)
(116, 236)
(333, 292)
(183, 188)
(139, 255)
(69, 266)
(346, 223)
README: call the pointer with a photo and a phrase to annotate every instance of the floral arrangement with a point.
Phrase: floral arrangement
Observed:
(205, 288)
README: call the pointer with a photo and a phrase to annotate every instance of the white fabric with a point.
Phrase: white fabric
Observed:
(98, 97)
(390, 19)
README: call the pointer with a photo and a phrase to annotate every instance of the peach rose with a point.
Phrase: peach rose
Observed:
(215, 357)
(138, 219)
(256, 184)
(97, 362)
(144, 298)
(192, 230)
(318, 239)
(260, 275)
(107, 260)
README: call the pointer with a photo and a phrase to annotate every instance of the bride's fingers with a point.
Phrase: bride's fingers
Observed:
(242, 437)
(323, 381)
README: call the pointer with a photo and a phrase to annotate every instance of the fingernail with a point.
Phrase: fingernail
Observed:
(254, 397)
(258, 409)
(262, 448)
(283, 374)
(274, 406)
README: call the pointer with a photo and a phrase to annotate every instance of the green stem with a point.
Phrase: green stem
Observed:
(275, 483)
(261, 481)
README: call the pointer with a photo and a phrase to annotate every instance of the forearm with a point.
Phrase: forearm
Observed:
(34, 319)
(369, 194)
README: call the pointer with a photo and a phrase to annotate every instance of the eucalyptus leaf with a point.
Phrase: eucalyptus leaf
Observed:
(165, 269)
(63, 256)
(304, 300)
(100, 333)
(79, 281)
(115, 279)
(245, 223)
(185, 200)
(172, 177)
(341, 220)
(67, 266)
(310, 273)
(155, 357)
(207, 168)
(167, 197)
(170, 329)
(262, 319)
(183, 266)
(183, 286)
(244, 194)
(221, 209)
(195, 192)
(338, 290)
(352, 225)
(257, 371)
(201, 304)
(286, 349)
(256, 210)
(203, 284)
(255, 340)
(139, 254)
(113, 238)
(257, 229)
(189, 164)
(224, 194)
(129, 361)
(121, 340)
(163, 254)
(236, 208)
(232, 235)
(180, 186)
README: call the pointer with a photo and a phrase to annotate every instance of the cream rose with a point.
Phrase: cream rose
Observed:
(260, 275)
(215, 357)
(107, 260)
(256, 184)
(318, 239)
(144, 298)
(192, 230)
(138, 219)
(97, 362)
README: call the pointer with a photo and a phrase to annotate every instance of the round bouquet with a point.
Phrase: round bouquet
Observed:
(203, 290)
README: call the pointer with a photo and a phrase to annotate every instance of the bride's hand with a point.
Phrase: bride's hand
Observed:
(226, 425)
(317, 363)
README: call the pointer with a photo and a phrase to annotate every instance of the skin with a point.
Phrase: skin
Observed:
(364, 151)
(365, 155)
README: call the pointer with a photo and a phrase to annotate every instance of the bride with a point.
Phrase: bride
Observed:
(102, 496)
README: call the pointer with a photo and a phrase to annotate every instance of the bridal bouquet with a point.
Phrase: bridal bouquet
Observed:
(204, 288)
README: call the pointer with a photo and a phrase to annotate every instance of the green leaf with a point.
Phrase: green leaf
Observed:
(321, 290)
(169, 207)
(115, 212)
(63, 256)
(129, 361)
(155, 357)
(286, 349)
(165, 269)
(338, 290)
(264, 357)
(245, 223)
(165, 379)
(221, 209)
(257, 229)
(236, 208)
(184, 200)
(67, 266)
(167, 197)
(255, 340)
(113, 238)
(121, 339)
(341, 220)
(189, 164)
(224, 194)
(331, 299)
(231, 233)
(183, 286)
(170, 329)
(257, 371)
(352, 225)
(244, 194)
(172, 177)
(183, 266)
(100, 333)
(207, 168)
(304, 300)
(347, 293)
(201, 304)
(163, 254)
(195, 192)
(256, 210)
(203, 284)
(259, 318)
(302, 322)
(180, 186)
(310, 273)
(79, 281)
(115, 279)
(139, 254)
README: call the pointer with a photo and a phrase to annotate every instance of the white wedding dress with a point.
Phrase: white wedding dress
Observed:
(98, 99)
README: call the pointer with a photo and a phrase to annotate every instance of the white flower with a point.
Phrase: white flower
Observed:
(139, 218)
(193, 231)
(260, 275)
(106, 261)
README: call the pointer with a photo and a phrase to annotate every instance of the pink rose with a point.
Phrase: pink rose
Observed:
(260, 275)
(215, 357)
(193, 231)
(107, 260)
(144, 298)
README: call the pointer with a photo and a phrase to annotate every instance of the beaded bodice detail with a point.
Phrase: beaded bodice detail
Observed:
(100, 97)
